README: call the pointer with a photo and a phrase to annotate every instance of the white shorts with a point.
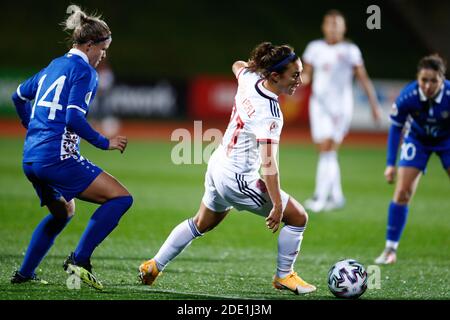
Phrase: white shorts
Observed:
(225, 190)
(328, 125)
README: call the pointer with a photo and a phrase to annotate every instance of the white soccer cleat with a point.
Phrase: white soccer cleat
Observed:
(388, 256)
(334, 205)
(314, 205)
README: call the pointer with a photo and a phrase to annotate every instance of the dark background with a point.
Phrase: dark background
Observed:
(179, 39)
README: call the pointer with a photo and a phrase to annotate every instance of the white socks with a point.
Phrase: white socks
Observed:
(289, 242)
(180, 238)
(328, 178)
(393, 245)
(336, 187)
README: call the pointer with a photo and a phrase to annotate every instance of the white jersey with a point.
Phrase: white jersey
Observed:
(333, 73)
(256, 117)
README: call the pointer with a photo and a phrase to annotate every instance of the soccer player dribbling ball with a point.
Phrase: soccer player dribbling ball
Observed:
(52, 162)
(232, 179)
(421, 116)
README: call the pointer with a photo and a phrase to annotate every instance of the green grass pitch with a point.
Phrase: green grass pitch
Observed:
(236, 260)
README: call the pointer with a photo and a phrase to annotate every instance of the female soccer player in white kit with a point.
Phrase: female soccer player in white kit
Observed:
(232, 180)
(330, 64)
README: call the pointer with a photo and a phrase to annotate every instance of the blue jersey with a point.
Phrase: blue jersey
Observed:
(427, 120)
(56, 119)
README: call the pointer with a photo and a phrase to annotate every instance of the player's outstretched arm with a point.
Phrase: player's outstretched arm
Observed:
(269, 172)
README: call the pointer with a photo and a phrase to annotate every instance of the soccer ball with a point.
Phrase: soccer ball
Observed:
(347, 279)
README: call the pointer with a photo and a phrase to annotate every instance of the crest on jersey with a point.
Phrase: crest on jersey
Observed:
(444, 114)
(273, 126)
(394, 110)
(87, 98)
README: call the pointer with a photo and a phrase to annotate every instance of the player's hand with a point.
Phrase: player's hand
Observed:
(119, 143)
(390, 173)
(274, 219)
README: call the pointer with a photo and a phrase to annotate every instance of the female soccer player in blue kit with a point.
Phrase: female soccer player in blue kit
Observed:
(423, 109)
(55, 122)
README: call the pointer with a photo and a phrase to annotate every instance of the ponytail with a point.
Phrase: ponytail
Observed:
(85, 28)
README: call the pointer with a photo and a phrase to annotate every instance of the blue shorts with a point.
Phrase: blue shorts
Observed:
(415, 153)
(67, 178)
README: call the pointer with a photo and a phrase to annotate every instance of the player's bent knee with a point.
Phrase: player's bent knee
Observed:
(129, 200)
(302, 218)
(403, 196)
(115, 194)
(117, 191)
(122, 192)
(126, 200)
(62, 209)
(305, 216)
(204, 225)
(295, 214)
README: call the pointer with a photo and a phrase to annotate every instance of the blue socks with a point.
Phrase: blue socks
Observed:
(42, 239)
(102, 223)
(397, 215)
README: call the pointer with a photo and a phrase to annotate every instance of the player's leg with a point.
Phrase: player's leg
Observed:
(322, 131)
(178, 240)
(289, 243)
(183, 234)
(326, 174)
(336, 199)
(44, 235)
(342, 126)
(114, 200)
(407, 181)
(213, 209)
(251, 194)
(444, 155)
(413, 161)
(43, 238)
(104, 188)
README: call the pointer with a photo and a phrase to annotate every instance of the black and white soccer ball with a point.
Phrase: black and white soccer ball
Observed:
(347, 279)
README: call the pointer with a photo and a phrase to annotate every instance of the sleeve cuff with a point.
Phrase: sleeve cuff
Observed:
(103, 142)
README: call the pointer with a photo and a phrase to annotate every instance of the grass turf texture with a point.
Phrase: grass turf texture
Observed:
(238, 258)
